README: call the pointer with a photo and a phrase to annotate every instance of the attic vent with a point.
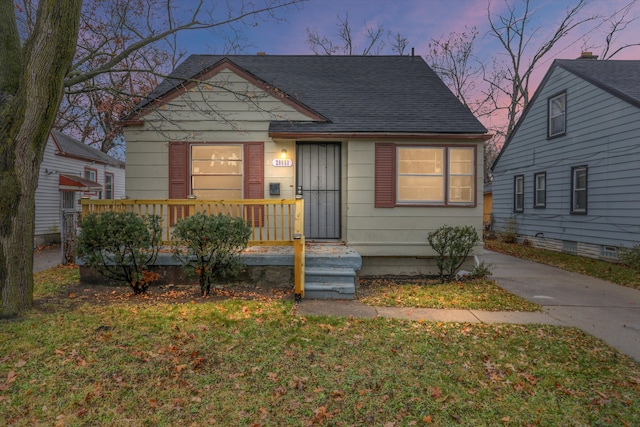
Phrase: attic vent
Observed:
(588, 55)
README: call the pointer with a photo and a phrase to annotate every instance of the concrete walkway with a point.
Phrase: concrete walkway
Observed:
(607, 311)
(47, 257)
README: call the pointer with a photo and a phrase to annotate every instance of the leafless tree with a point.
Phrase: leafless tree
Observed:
(621, 20)
(345, 43)
(39, 61)
(515, 30)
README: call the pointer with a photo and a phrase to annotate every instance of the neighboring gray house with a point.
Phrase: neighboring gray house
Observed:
(568, 177)
(379, 147)
(70, 170)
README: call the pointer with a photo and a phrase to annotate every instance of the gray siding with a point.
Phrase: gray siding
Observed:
(602, 133)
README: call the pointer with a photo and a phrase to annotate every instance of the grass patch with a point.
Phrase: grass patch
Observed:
(259, 364)
(604, 270)
(473, 295)
(53, 280)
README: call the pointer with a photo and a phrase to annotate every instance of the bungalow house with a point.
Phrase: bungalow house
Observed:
(379, 148)
(70, 170)
(567, 178)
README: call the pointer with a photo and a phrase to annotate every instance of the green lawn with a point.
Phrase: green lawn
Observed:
(258, 363)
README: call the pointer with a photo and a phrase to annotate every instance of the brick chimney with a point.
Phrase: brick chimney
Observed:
(588, 55)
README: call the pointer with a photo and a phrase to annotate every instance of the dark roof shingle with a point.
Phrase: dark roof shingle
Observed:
(355, 93)
(618, 77)
(75, 148)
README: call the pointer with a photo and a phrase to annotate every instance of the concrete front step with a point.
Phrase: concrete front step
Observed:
(329, 283)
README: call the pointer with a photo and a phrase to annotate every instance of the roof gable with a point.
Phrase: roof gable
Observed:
(353, 94)
(620, 78)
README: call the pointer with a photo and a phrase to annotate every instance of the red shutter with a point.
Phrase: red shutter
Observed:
(254, 179)
(178, 170)
(385, 176)
(254, 170)
(178, 177)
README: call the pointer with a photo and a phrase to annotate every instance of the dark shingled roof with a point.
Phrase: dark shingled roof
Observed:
(359, 94)
(75, 148)
(618, 77)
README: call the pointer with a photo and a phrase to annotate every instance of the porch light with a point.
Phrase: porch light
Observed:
(283, 153)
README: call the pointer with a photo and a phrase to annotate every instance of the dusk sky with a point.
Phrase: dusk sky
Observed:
(418, 21)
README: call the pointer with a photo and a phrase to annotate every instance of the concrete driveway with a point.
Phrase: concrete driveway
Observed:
(600, 308)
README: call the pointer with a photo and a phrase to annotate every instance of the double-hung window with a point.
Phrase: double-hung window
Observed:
(217, 171)
(557, 112)
(579, 190)
(435, 175)
(518, 193)
(108, 185)
(540, 190)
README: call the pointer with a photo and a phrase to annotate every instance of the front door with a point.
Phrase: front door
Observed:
(318, 179)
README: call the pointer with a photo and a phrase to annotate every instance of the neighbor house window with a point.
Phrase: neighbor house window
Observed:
(90, 174)
(435, 175)
(217, 171)
(557, 110)
(540, 190)
(579, 190)
(108, 185)
(518, 193)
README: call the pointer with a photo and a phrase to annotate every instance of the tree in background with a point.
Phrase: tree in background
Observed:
(37, 47)
(344, 43)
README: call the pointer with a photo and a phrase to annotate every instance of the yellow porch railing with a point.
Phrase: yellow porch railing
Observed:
(273, 222)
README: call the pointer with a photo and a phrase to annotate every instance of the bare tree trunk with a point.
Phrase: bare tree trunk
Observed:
(30, 93)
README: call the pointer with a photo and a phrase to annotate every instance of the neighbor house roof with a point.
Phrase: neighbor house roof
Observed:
(621, 78)
(71, 147)
(345, 94)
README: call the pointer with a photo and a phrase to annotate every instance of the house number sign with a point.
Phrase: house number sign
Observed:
(282, 162)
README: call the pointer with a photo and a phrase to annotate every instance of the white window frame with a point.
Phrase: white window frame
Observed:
(540, 189)
(518, 193)
(575, 190)
(109, 180)
(557, 116)
(192, 159)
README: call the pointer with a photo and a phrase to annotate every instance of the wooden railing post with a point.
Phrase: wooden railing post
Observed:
(299, 249)
(298, 266)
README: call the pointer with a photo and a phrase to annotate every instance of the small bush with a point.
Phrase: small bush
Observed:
(121, 246)
(630, 256)
(210, 246)
(453, 245)
(509, 234)
(481, 271)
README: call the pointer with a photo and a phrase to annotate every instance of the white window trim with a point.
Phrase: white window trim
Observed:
(562, 95)
(536, 190)
(574, 171)
(518, 195)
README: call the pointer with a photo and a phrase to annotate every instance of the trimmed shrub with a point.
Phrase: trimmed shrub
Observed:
(453, 245)
(210, 246)
(121, 246)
